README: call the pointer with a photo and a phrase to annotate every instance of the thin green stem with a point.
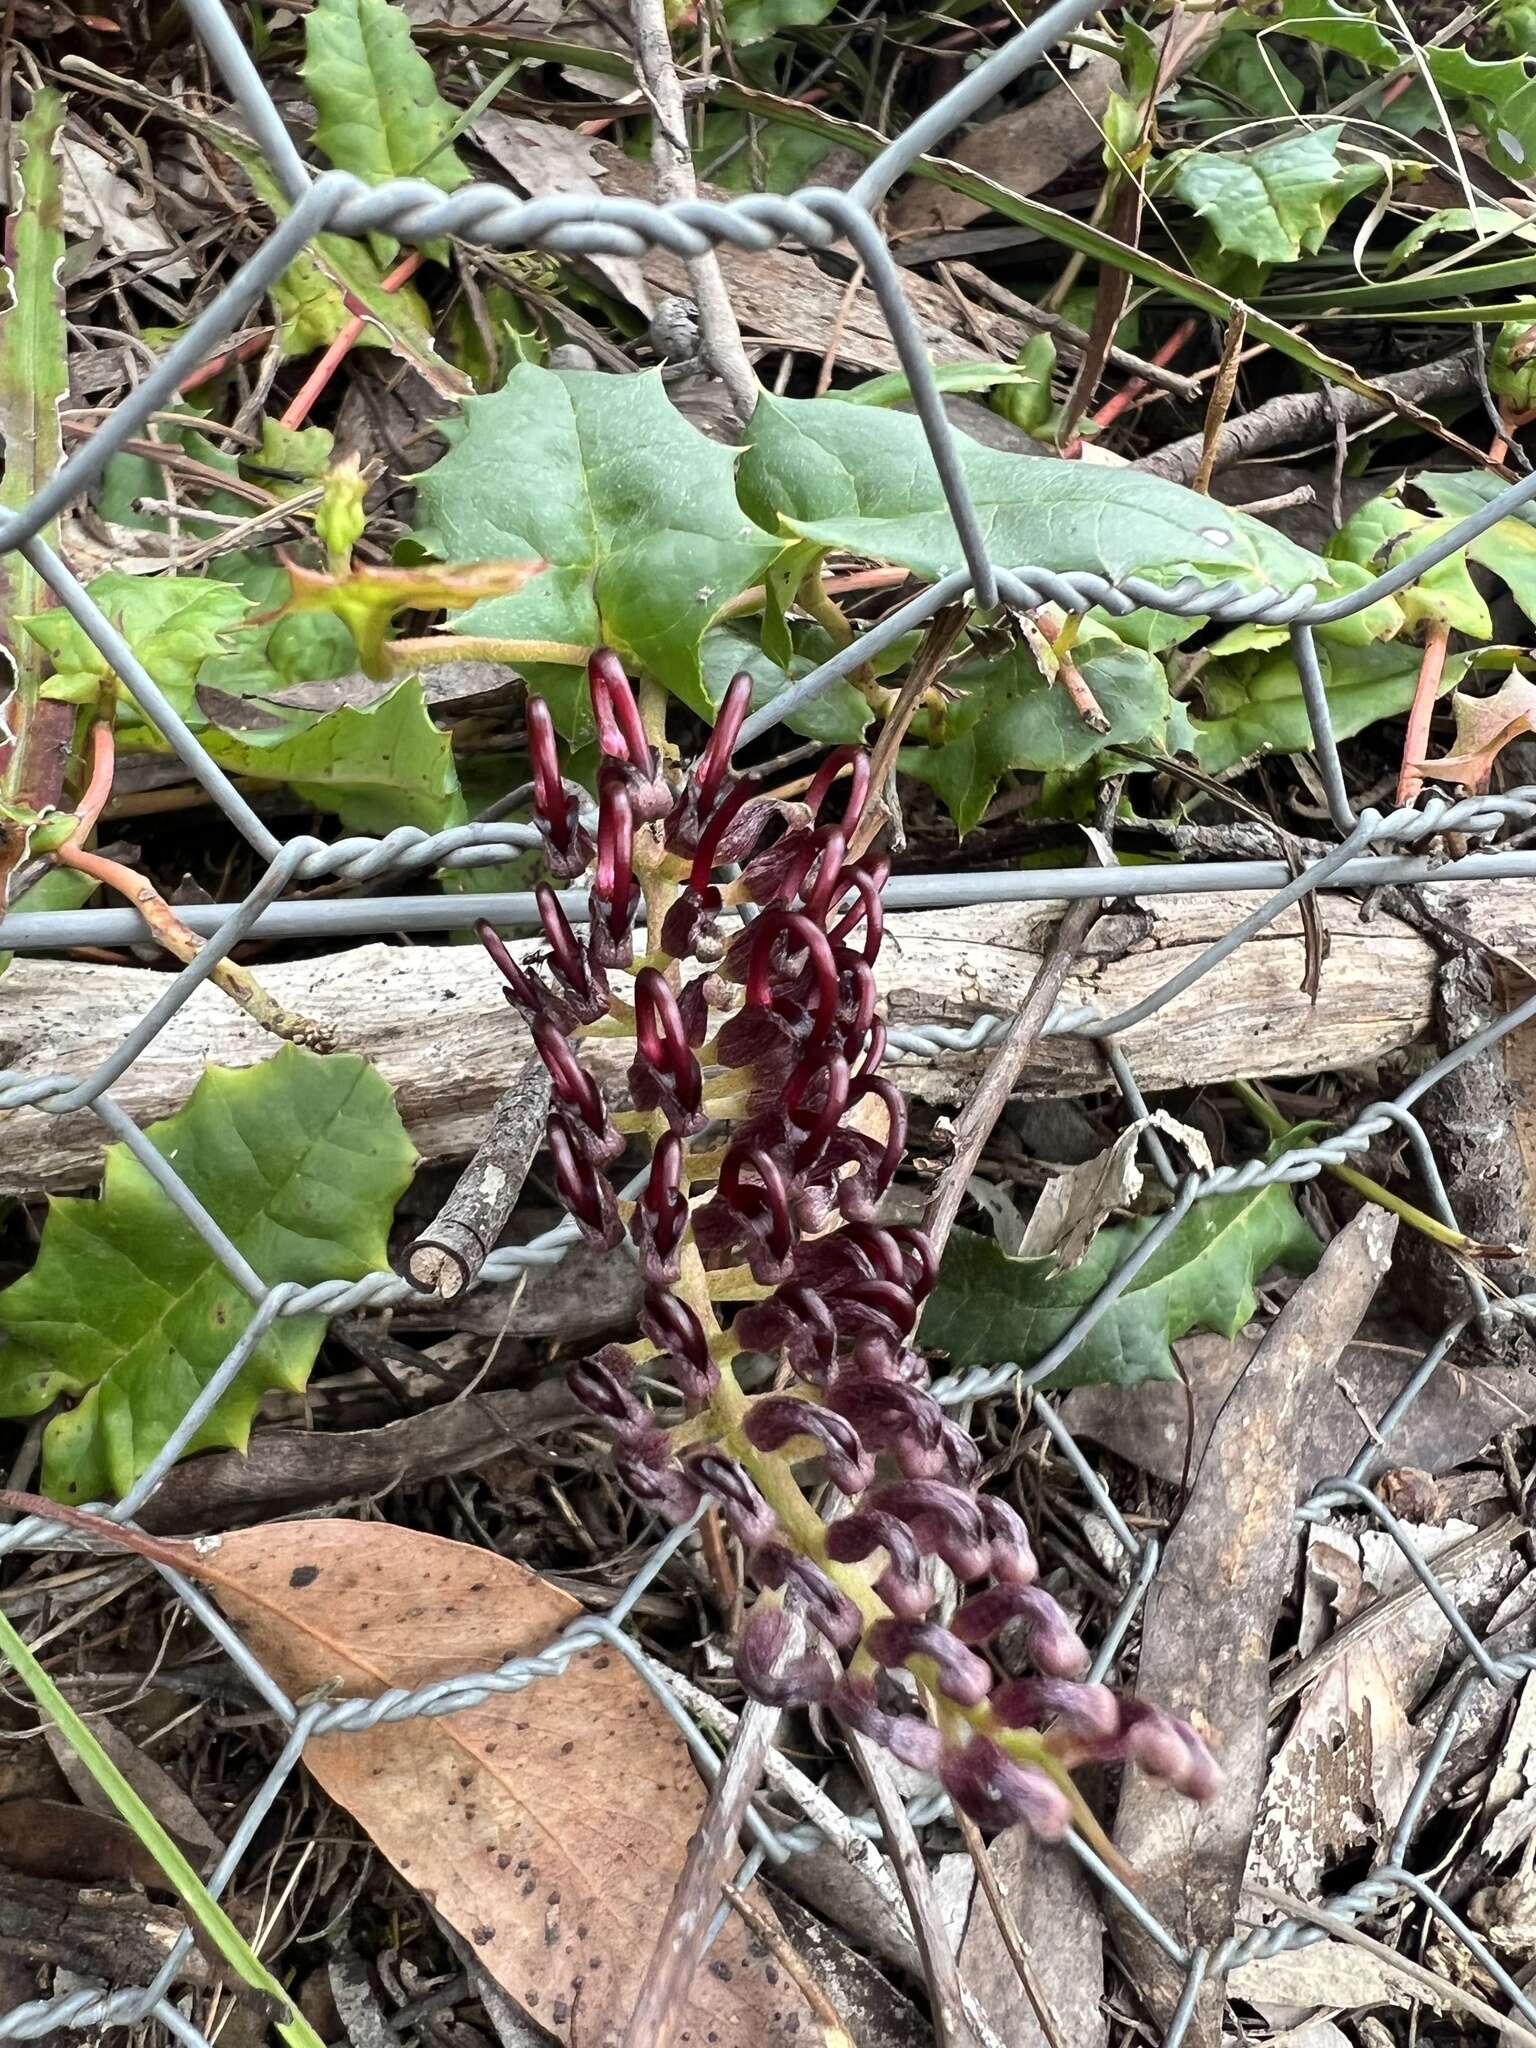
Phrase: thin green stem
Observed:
(1264, 1112)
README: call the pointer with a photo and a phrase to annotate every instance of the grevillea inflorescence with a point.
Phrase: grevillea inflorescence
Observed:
(757, 1081)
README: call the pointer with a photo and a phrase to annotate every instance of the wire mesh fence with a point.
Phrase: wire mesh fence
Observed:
(1371, 848)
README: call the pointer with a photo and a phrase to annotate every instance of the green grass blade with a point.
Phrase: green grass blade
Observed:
(179, 1875)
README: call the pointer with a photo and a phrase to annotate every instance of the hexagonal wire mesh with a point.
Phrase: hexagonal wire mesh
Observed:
(1372, 848)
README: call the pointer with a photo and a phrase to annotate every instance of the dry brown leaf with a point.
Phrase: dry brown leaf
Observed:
(547, 1826)
(1484, 727)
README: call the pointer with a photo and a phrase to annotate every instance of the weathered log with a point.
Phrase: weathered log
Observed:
(434, 1021)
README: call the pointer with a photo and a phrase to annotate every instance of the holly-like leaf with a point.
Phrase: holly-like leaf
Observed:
(1256, 706)
(126, 1311)
(752, 21)
(1507, 548)
(1273, 204)
(1484, 727)
(34, 381)
(1326, 22)
(1010, 716)
(378, 111)
(1501, 98)
(377, 767)
(172, 623)
(836, 716)
(990, 1309)
(634, 510)
(1384, 532)
(863, 479)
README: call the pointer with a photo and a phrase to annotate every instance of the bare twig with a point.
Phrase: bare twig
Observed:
(449, 1253)
(1221, 396)
(768, 1932)
(938, 643)
(941, 1971)
(719, 334)
(1008, 1929)
(1297, 415)
(680, 1945)
(974, 1125)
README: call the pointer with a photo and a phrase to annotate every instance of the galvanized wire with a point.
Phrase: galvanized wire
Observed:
(1373, 849)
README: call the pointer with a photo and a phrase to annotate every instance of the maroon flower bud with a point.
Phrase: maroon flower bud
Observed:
(661, 1488)
(874, 1160)
(586, 990)
(759, 1039)
(1051, 1641)
(910, 1740)
(961, 1458)
(1168, 1748)
(823, 882)
(794, 1319)
(779, 1419)
(946, 1522)
(691, 929)
(665, 1074)
(661, 1215)
(715, 760)
(1091, 1713)
(522, 991)
(1013, 1556)
(920, 1269)
(751, 1519)
(679, 1337)
(828, 1610)
(753, 1213)
(601, 1385)
(985, 1782)
(800, 1680)
(576, 1093)
(615, 894)
(903, 1585)
(621, 735)
(891, 1415)
(853, 758)
(567, 846)
(814, 1099)
(774, 941)
(583, 1189)
(869, 910)
(960, 1676)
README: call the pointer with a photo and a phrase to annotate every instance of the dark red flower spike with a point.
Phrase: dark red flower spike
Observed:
(577, 1093)
(615, 898)
(567, 845)
(779, 1419)
(583, 1189)
(869, 910)
(661, 1214)
(714, 763)
(584, 986)
(621, 736)
(800, 1680)
(665, 1073)
(857, 762)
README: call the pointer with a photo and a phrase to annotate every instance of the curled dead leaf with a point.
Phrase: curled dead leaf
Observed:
(1484, 727)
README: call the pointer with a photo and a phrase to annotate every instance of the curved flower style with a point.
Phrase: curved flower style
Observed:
(756, 1079)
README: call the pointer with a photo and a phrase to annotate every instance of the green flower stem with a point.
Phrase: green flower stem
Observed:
(1418, 1219)
(201, 1907)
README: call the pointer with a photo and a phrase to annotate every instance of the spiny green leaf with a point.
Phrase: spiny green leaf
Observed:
(989, 1309)
(34, 381)
(1383, 532)
(837, 716)
(1501, 98)
(377, 767)
(378, 111)
(1256, 704)
(634, 510)
(751, 21)
(172, 623)
(1508, 547)
(1011, 716)
(864, 480)
(1271, 204)
(1335, 27)
(301, 1161)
